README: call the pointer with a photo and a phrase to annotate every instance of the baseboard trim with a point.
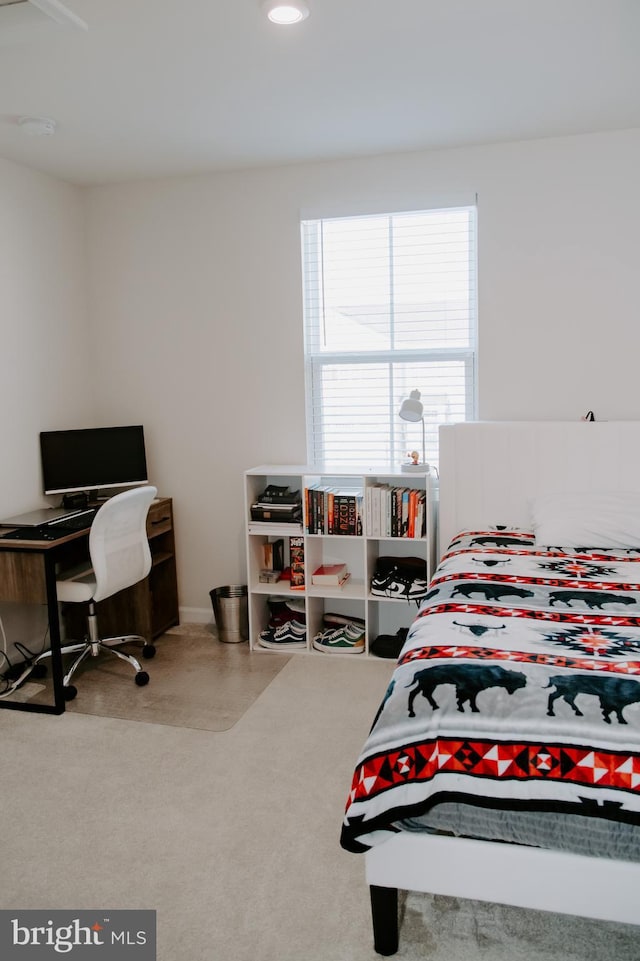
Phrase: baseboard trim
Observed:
(196, 615)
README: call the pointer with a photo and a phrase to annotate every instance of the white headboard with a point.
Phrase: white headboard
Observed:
(490, 471)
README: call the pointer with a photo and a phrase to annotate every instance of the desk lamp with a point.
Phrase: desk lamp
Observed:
(413, 411)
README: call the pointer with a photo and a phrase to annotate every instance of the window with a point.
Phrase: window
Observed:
(389, 307)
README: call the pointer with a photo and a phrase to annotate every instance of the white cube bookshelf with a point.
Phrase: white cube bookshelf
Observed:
(359, 550)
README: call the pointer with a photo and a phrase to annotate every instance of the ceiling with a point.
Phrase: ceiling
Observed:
(164, 87)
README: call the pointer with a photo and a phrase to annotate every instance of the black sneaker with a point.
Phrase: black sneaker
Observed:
(290, 636)
(395, 583)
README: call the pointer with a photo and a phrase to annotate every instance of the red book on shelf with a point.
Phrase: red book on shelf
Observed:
(330, 574)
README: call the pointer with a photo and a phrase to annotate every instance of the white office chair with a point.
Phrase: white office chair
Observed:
(120, 557)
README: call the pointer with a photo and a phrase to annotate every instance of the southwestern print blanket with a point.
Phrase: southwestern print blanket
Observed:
(518, 687)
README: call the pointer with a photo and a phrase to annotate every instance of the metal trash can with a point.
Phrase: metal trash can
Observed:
(230, 609)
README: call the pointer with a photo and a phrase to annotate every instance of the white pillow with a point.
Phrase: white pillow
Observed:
(587, 520)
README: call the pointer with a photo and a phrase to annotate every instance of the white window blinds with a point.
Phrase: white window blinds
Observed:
(389, 307)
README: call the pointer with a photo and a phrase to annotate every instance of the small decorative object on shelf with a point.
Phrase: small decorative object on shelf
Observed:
(267, 576)
(412, 410)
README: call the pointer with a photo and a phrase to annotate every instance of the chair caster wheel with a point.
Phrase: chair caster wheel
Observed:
(69, 692)
(39, 670)
(148, 651)
(142, 678)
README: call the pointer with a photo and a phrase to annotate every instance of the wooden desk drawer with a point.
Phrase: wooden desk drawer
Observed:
(160, 517)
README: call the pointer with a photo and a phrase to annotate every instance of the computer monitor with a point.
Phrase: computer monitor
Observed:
(92, 459)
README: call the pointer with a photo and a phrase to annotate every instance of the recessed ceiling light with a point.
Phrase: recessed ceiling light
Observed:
(37, 126)
(286, 11)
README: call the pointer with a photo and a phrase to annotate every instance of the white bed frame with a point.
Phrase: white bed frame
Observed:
(489, 472)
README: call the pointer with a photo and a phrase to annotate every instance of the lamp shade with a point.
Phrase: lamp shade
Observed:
(412, 408)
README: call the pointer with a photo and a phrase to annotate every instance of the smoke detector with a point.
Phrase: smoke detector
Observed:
(37, 126)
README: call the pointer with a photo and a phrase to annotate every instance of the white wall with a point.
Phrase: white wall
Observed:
(195, 294)
(45, 376)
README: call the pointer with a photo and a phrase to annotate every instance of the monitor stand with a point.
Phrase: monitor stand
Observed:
(76, 502)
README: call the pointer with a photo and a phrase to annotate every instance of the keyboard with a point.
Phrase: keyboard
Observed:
(54, 530)
(76, 522)
(44, 533)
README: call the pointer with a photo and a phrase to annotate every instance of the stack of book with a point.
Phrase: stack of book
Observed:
(277, 505)
(330, 575)
(395, 511)
(333, 510)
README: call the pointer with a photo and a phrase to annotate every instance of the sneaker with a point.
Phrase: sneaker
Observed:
(284, 611)
(345, 640)
(395, 583)
(289, 636)
(333, 621)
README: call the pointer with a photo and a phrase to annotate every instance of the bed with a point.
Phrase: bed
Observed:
(503, 763)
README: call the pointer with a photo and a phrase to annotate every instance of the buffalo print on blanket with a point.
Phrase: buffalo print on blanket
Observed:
(469, 680)
(614, 693)
(590, 598)
(478, 630)
(494, 562)
(503, 684)
(497, 541)
(492, 592)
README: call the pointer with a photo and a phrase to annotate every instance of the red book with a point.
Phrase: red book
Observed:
(330, 574)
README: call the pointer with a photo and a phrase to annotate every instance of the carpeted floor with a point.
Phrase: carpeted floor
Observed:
(232, 836)
(441, 928)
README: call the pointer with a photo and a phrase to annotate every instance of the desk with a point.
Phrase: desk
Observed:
(28, 575)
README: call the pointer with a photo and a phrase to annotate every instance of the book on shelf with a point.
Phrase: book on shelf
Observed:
(330, 510)
(278, 555)
(319, 509)
(274, 527)
(282, 513)
(273, 555)
(296, 559)
(333, 574)
(395, 511)
(333, 584)
(274, 494)
(347, 512)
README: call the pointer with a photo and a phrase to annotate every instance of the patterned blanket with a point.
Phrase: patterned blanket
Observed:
(518, 687)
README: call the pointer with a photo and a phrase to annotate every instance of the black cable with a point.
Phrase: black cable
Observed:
(14, 671)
